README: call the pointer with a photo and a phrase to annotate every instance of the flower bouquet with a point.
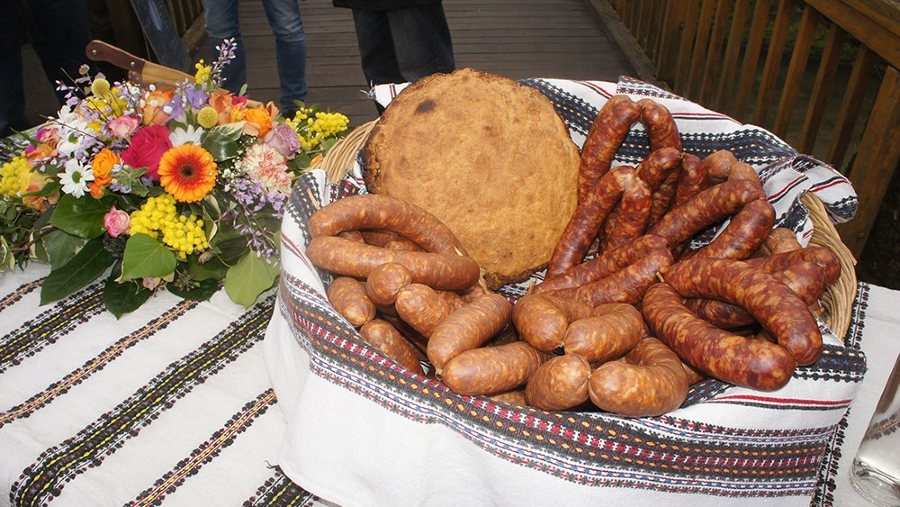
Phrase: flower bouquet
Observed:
(181, 187)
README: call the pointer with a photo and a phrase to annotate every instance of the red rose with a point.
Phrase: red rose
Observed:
(147, 147)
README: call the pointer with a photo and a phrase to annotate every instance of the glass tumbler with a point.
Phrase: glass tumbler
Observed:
(875, 473)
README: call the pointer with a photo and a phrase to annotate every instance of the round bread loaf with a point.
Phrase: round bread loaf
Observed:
(489, 157)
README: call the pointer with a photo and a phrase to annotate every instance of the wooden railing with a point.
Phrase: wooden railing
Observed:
(820, 74)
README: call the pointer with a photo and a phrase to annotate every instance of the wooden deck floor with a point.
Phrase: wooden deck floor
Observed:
(514, 38)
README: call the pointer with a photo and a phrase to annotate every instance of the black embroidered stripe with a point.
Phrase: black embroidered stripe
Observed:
(43, 480)
(207, 451)
(279, 491)
(95, 364)
(52, 324)
(20, 292)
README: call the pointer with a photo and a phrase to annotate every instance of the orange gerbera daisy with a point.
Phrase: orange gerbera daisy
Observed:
(187, 172)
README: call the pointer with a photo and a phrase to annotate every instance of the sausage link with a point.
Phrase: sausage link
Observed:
(560, 383)
(648, 381)
(779, 240)
(607, 263)
(375, 211)
(772, 303)
(691, 179)
(467, 328)
(608, 130)
(624, 286)
(612, 331)
(743, 235)
(346, 257)
(348, 297)
(587, 219)
(490, 370)
(385, 337)
(742, 361)
(423, 308)
(660, 125)
(385, 281)
(705, 209)
(542, 320)
(822, 256)
(628, 219)
(515, 397)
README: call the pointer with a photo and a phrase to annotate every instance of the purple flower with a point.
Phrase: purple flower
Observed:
(283, 139)
(196, 98)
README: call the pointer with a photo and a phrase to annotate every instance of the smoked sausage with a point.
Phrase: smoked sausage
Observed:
(560, 383)
(490, 370)
(468, 327)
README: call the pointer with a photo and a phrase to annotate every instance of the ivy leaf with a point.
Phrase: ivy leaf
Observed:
(249, 278)
(80, 217)
(121, 298)
(59, 246)
(213, 268)
(200, 290)
(145, 256)
(85, 267)
(222, 143)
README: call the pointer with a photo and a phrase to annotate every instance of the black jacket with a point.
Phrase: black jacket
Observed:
(381, 5)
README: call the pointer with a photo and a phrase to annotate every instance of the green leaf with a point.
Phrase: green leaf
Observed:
(85, 267)
(59, 246)
(200, 290)
(222, 143)
(121, 298)
(214, 268)
(80, 217)
(145, 256)
(249, 278)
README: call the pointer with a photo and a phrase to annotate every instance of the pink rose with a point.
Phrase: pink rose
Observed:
(146, 148)
(116, 222)
(283, 139)
(123, 126)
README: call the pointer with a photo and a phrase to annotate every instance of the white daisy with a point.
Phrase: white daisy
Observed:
(76, 177)
(182, 136)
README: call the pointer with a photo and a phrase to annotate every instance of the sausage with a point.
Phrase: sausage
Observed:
(608, 130)
(822, 256)
(648, 381)
(743, 235)
(376, 211)
(542, 320)
(805, 278)
(609, 333)
(705, 209)
(467, 328)
(385, 337)
(423, 308)
(779, 240)
(515, 397)
(346, 257)
(773, 304)
(660, 125)
(691, 179)
(661, 170)
(385, 281)
(348, 297)
(722, 166)
(628, 219)
(588, 217)
(607, 263)
(742, 361)
(624, 286)
(560, 383)
(490, 370)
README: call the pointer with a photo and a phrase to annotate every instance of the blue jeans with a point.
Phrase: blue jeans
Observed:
(403, 45)
(290, 46)
(59, 30)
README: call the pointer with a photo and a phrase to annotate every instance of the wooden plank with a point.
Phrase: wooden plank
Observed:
(831, 56)
(847, 118)
(876, 162)
(796, 69)
(875, 23)
(686, 45)
(727, 83)
(747, 78)
(701, 41)
(772, 67)
(673, 25)
(713, 64)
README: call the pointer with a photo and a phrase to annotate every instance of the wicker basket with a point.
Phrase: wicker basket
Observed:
(837, 301)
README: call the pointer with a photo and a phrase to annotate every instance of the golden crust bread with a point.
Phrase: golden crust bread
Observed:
(489, 157)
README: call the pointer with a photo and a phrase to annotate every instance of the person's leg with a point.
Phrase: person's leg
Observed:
(376, 47)
(61, 31)
(221, 17)
(421, 40)
(290, 51)
(12, 91)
